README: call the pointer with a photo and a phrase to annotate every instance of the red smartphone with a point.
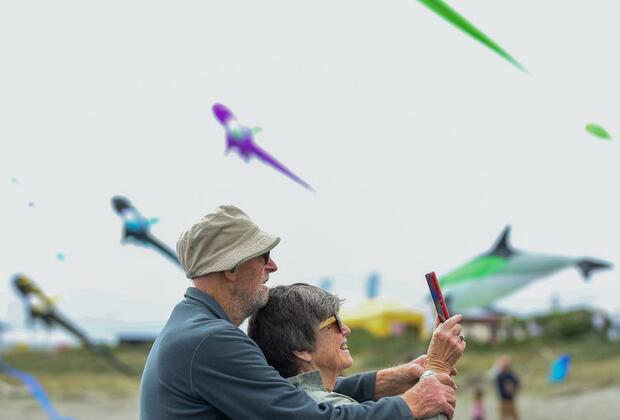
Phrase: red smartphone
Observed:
(440, 303)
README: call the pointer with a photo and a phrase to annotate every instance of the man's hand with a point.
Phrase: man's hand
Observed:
(431, 396)
(416, 368)
(447, 345)
(397, 380)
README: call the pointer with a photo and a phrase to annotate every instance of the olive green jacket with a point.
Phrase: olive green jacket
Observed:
(312, 384)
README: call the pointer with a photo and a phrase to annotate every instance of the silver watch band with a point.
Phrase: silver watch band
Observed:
(426, 374)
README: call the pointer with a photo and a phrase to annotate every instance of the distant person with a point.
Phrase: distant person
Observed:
(599, 321)
(613, 332)
(477, 410)
(202, 366)
(303, 338)
(508, 386)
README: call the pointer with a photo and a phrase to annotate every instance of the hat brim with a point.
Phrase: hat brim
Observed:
(256, 245)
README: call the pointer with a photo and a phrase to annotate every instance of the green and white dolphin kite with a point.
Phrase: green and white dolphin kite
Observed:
(504, 270)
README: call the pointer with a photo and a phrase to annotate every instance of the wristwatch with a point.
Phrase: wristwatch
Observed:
(426, 374)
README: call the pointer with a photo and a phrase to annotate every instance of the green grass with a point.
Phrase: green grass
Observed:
(371, 353)
(74, 373)
(595, 362)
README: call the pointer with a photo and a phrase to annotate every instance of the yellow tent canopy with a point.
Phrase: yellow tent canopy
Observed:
(383, 317)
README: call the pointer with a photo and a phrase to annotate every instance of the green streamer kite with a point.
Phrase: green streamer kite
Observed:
(452, 16)
(598, 131)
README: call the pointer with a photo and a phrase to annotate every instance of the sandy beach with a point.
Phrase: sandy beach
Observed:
(602, 404)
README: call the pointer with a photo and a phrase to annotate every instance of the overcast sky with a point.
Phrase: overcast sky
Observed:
(421, 143)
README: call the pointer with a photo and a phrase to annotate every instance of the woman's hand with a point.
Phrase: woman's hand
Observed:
(418, 366)
(447, 345)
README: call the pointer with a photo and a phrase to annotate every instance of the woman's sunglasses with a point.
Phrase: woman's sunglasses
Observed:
(329, 321)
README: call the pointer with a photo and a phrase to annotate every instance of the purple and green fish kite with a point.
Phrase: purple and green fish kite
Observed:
(241, 139)
(452, 16)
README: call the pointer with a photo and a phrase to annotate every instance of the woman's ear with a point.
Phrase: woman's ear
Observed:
(303, 355)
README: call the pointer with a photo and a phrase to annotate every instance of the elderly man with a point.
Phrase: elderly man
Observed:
(202, 366)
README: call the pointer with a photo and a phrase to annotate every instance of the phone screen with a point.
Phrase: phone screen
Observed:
(440, 303)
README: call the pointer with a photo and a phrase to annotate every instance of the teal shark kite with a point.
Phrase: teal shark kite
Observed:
(502, 271)
(452, 16)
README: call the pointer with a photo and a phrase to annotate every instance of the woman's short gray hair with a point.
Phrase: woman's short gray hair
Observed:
(289, 322)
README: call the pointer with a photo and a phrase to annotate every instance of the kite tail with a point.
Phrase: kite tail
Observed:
(35, 389)
(163, 249)
(445, 11)
(112, 360)
(304, 184)
(587, 265)
(103, 352)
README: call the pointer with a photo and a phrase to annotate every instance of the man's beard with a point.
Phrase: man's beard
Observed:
(250, 304)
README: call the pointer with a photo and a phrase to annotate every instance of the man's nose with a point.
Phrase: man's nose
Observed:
(271, 266)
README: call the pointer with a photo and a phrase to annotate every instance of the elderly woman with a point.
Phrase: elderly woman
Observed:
(303, 338)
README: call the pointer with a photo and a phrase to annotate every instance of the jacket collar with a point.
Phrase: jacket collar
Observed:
(309, 380)
(194, 295)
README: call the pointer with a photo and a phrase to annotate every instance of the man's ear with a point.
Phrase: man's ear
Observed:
(303, 355)
(230, 275)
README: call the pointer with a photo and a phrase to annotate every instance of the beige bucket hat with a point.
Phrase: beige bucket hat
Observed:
(222, 241)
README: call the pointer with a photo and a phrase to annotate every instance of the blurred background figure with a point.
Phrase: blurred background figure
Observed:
(599, 322)
(477, 411)
(613, 333)
(508, 385)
